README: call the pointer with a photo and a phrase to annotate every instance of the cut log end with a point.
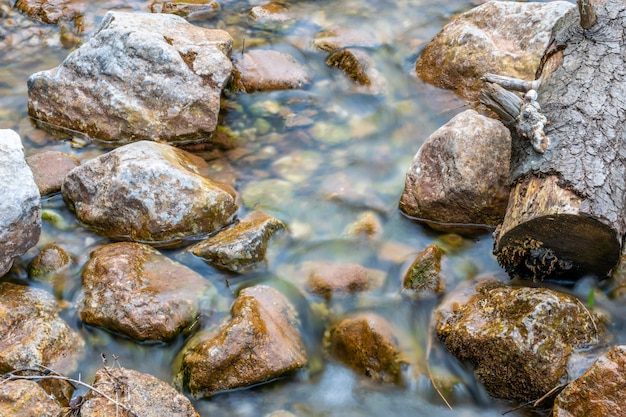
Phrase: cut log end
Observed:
(546, 235)
(562, 248)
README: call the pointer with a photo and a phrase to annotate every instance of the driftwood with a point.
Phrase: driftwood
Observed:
(567, 207)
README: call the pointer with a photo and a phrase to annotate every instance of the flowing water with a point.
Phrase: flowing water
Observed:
(318, 178)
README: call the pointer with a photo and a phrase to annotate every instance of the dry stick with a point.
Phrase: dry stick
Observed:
(587, 12)
(535, 403)
(595, 328)
(429, 346)
(12, 376)
(511, 83)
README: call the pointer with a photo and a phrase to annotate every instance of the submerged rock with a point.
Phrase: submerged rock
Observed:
(48, 11)
(365, 342)
(367, 225)
(141, 76)
(144, 394)
(336, 279)
(459, 178)
(20, 205)
(131, 288)
(501, 37)
(423, 279)
(20, 398)
(260, 342)
(333, 39)
(148, 192)
(242, 247)
(266, 70)
(271, 16)
(520, 340)
(50, 168)
(599, 391)
(189, 10)
(38, 335)
(360, 68)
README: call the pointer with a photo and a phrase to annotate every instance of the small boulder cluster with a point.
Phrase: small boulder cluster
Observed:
(148, 195)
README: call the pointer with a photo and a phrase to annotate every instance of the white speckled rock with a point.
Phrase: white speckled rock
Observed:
(20, 205)
(140, 76)
(148, 192)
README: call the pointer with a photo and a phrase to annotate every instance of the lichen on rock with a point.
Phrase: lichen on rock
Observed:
(521, 340)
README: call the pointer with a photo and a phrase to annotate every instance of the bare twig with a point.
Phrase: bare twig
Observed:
(595, 327)
(535, 403)
(50, 374)
(430, 374)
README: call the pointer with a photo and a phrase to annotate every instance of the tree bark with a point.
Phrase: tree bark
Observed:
(567, 208)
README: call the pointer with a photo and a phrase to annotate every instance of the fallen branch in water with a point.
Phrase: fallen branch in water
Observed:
(430, 374)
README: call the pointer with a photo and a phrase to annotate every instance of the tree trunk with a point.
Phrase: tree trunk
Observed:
(567, 207)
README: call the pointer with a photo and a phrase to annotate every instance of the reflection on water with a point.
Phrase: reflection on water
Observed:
(351, 142)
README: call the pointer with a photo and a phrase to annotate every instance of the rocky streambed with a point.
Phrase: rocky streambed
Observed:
(224, 208)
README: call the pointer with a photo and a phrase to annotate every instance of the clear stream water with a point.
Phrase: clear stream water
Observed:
(356, 142)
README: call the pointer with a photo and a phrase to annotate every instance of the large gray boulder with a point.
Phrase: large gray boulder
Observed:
(148, 192)
(20, 205)
(141, 76)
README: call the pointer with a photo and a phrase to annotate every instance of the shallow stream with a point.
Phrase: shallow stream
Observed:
(318, 178)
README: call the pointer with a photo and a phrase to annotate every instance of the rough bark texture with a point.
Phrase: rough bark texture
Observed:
(567, 207)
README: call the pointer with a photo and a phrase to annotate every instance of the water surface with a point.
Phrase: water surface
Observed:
(355, 142)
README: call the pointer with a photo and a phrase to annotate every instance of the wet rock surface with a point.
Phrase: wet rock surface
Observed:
(143, 394)
(423, 278)
(50, 168)
(260, 342)
(38, 335)
(506, 38)
(148, 192)
(49, 263)
(459, 178)
(20, 398)
(365, 342)
(131, 288)
(139, 77)
(242, 247)
(520, 340)
(20, 206)
(266, 70)
(599, 391)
